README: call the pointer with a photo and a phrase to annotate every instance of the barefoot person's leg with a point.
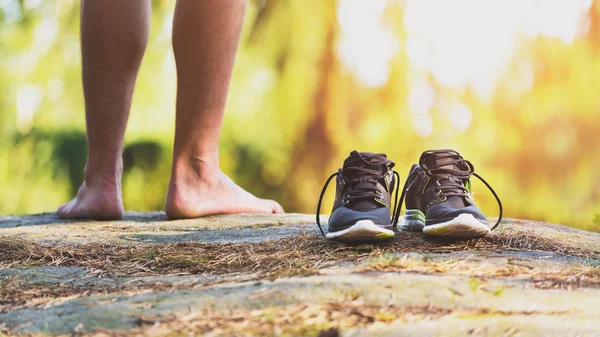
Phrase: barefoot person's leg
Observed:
(205, 37)
(114, 34)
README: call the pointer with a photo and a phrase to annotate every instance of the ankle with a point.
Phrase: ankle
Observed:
(200, 168)
(108, 176)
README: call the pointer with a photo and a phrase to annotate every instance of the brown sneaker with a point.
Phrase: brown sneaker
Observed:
(361, 210)
(438, 197)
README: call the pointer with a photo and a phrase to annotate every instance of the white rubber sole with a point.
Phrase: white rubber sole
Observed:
(361, 231)
(463, 226)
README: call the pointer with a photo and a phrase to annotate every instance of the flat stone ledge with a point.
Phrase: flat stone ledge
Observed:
(391, 289)
(159, 221)
(452, 292)
(154, 228)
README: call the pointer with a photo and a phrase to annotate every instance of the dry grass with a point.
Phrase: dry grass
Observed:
(302, 255)
(556, 240)
(538, 276)
(18, 294)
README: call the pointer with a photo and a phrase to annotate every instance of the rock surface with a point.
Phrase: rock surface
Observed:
(273, 275)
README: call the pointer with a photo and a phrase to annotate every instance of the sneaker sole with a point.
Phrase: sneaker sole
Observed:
(361, 231)
(463, 226)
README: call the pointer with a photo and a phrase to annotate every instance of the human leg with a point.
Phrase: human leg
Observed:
(114, 35)
(205, 37)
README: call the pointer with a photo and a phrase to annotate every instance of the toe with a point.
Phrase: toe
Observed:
(63, 211)
(277, 209)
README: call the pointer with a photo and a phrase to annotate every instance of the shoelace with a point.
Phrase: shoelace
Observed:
(455, 187)
(372, 175)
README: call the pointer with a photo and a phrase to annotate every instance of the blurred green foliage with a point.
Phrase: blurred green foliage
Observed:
(298, 106)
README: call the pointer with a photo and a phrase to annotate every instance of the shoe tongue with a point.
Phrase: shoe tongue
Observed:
(366, 204)
(366, 160)
(363, 159)
(434, 161)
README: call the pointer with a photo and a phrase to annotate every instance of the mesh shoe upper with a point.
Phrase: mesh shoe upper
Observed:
(363, 191)
(440, 187)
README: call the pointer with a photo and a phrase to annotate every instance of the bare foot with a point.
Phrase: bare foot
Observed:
(193, 197)
(101, 201)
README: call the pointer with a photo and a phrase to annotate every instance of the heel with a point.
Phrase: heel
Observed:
(414, 221)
